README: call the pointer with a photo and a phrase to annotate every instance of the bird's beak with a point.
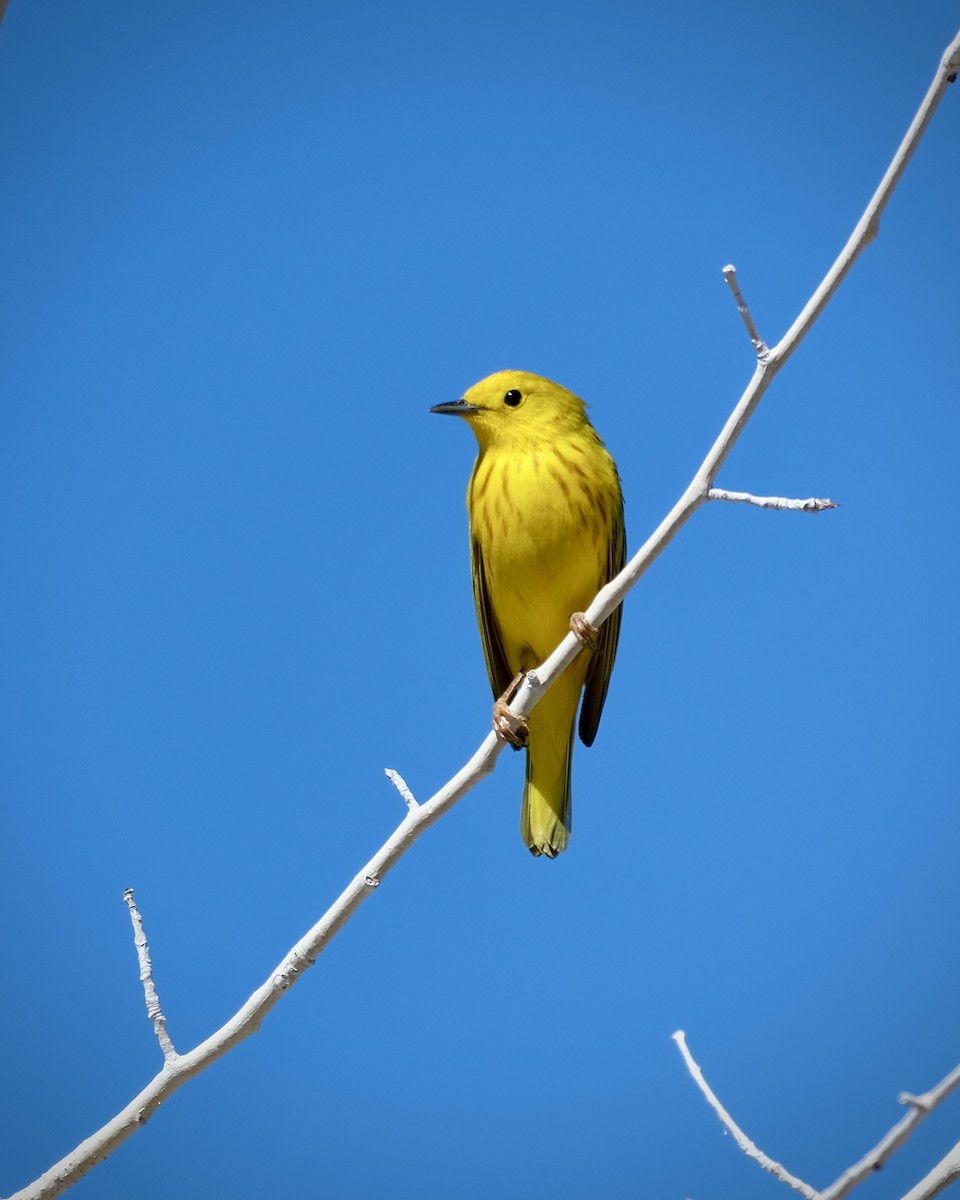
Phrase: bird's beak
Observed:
(457, 408)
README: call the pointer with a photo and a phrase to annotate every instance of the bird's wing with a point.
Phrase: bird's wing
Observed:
(498, 672)
(601, 661)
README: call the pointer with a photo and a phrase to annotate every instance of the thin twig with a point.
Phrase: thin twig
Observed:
(400, 784)
(874, 1159)
(811, 504)
(154, 1010)
(749, 1147)
(868, 226)
(730, 275)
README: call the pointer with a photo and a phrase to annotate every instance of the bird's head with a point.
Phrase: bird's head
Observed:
(517, 408)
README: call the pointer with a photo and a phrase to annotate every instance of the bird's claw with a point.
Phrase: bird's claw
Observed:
(584, 631)
(509, 726)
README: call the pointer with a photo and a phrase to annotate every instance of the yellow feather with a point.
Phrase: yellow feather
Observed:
(546, 528)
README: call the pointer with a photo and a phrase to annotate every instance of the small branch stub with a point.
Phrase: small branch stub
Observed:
(810, 505)
(761, 347)
(154, 1011)
(400, 784)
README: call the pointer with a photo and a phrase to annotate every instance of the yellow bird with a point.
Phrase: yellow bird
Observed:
(546, 533)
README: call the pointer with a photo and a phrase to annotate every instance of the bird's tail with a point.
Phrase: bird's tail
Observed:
(545, 817)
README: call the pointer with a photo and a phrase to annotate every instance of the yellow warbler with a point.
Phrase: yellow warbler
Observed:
(546, 533)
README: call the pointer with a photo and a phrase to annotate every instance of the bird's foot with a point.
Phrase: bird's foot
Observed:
(584, 631)
(509, 726)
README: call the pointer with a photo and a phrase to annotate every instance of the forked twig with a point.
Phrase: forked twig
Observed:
(946, 1171)
(873, 1160)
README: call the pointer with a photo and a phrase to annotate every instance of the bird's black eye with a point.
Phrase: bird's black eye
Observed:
(513, 398)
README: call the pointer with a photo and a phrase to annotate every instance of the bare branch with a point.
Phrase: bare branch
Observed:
(929, 1100)
(868, 226)
(400, 784)
(248, 1019)
(698, 491)
(809, 505)
(154, 1011)
(730, 275)
(945, 1173)
(874, 1159)
(746, 1145)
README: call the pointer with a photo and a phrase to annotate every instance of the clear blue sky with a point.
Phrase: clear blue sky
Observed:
(243, 248)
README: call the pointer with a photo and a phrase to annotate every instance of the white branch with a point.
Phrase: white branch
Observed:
(178, 1070)
(811, 504)
(945, 1173)
(749, 1147)
(400, 784)
(868, 226)
(698, 492)
(920, 1107)
(154, 1011)
(730, 275)
(247, 1020)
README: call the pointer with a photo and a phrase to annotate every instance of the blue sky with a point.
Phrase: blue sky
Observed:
(244, 248)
